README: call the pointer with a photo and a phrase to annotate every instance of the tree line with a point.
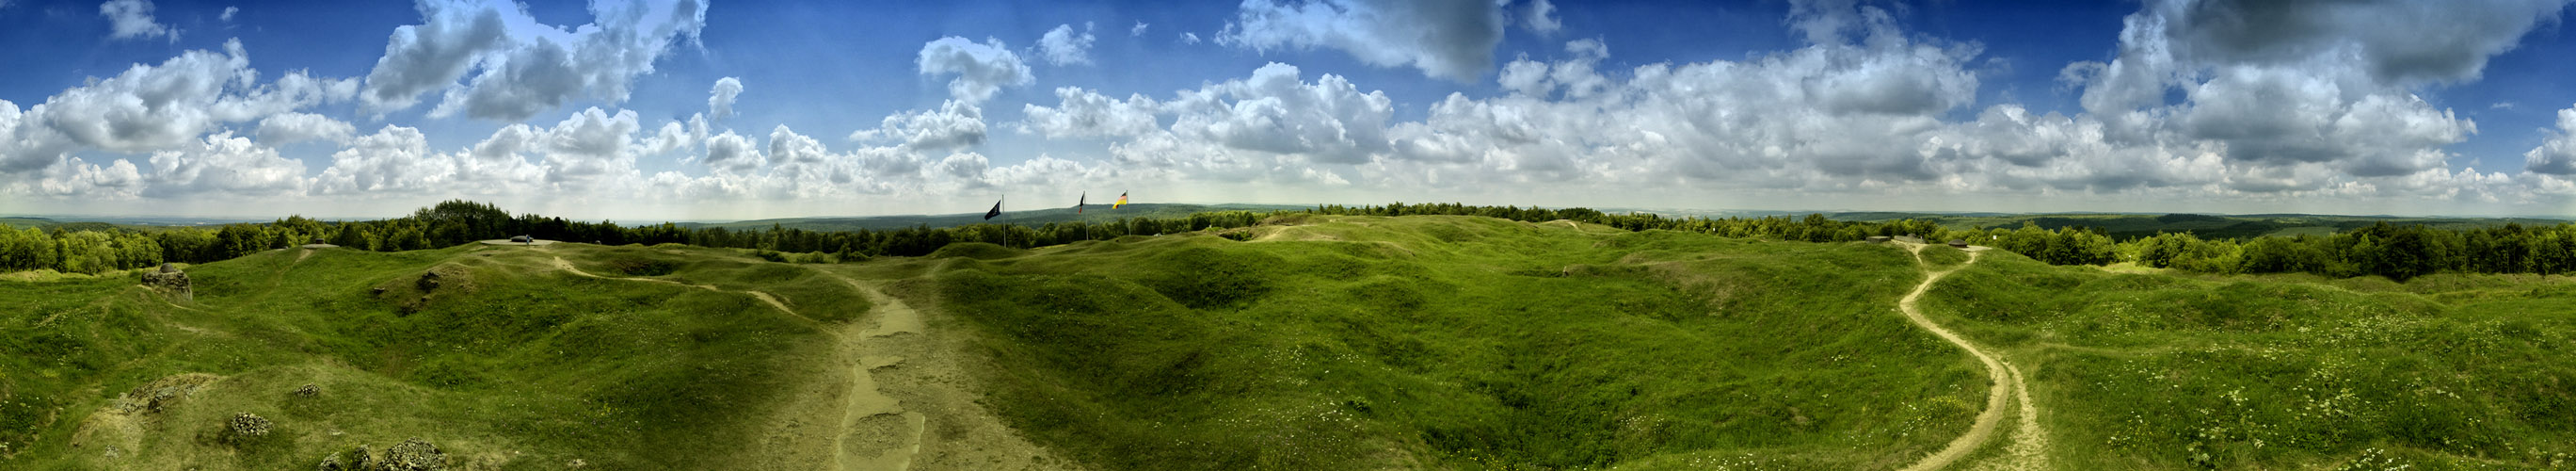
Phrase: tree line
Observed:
(2396, 251)
(2399, 252)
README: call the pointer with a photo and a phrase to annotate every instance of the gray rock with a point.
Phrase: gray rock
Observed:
(170, 279)
(414, 454)
(246, 426)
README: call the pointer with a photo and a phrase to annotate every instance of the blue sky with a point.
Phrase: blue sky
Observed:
(610, 109)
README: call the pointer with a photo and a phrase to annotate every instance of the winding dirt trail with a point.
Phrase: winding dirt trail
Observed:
(2029, 440)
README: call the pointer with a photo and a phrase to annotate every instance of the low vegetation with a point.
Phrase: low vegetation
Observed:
(1339, 338)
(503, 360)
(1463, 342)
(2143, 371)
(2397, 251)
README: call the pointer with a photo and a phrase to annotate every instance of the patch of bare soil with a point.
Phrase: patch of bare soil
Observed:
(915, 405)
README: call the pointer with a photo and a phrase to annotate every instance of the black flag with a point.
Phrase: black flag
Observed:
(997, 210)
(1077, 204)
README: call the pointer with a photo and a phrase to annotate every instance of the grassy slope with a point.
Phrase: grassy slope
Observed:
(2149, 371)
(1344, 342)
(1096, 213)
(1462, 342)
(510, 363)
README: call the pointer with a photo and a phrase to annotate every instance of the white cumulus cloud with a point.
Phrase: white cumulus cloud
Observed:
(132, 19)
(2557, 153)
(954, 125)
(720, 98)
(1452, 39)
(1080, 113)
(148, 108)
(1062, 46)
(981, 69)
(1539, 16)
(289, 128)
(225, 165)
(525, 67)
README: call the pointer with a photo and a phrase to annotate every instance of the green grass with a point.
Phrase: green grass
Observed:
(1436, 342)
(1017, 213)
(811, 293)
(2162, 372)
(538, 365)
(1463, 342)
(1942, 257)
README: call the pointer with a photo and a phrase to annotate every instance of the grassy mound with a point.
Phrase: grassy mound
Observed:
(503, 360)
(1463, 342)
(2165, 372)
(1313, 342)
(976, 250)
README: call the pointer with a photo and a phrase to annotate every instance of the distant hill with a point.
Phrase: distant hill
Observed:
(136, 223)
(24, 222)
(1096, 213)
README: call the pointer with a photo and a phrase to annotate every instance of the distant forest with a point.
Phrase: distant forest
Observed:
(2396, 251)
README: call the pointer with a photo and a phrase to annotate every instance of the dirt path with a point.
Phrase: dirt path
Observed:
(876, 432)
(911, 404)
(889, 397)
(2029, 440)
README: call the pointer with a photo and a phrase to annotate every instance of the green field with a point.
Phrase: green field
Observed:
(1307, 342)
(1096, 213)
(2283, 372)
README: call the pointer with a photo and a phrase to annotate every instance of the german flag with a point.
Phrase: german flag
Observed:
(1122, 200)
